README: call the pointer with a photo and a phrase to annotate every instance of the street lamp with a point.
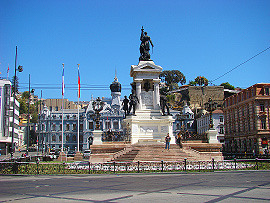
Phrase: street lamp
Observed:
(20, 69)
(28, 118)
(210, 106)
(97, 107)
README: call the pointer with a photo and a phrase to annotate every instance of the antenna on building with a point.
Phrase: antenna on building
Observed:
(115, 77)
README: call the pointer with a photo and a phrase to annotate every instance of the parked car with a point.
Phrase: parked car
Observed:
(87, 153)
(52, 155)
(71, 153)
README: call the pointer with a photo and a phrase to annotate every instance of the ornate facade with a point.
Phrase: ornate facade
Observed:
(247, 120)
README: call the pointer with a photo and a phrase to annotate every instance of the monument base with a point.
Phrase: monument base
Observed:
(97, 134)
(212, 136)
(149, 125)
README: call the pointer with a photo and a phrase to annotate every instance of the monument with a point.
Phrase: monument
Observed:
(146, 123)
(98, 105)
(211, 133)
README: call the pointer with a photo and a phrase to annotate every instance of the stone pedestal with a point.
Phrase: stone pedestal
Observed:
(62, 157)
(97, 134)
(148, 124)
(212, 136)
(78, 157)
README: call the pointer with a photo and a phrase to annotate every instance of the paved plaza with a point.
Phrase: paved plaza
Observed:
(238, 186)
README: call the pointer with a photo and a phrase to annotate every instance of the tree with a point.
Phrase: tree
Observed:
(227, 86)
(192, 83)
(172, 78)
(201, 80)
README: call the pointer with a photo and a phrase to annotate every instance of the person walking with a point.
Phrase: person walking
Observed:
(167, 140)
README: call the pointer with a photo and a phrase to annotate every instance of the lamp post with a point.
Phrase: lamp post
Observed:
(210, 106)
(97, 107)
(28, 119)
(20, 69)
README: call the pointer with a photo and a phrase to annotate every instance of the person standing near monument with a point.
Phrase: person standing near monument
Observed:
(167, 140)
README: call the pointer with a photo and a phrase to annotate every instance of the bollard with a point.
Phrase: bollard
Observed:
(89, 167)
(235, 165)
(37, 161)
(213, 164)
(114, 167)
(162, 166)
(138, 166)
(15, 167)
(257, 163)
(185, 162)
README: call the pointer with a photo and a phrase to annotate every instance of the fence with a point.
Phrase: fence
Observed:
(36, 168)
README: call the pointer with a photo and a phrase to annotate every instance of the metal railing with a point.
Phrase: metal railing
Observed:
(85, 167)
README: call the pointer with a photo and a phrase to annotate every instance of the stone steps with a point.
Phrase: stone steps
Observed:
(156, 152)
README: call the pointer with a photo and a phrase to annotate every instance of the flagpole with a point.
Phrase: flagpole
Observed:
(78, 139)
(63, 88)
(8, 72)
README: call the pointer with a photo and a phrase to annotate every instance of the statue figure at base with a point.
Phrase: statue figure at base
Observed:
(163, 104)
(145, 47)
(133, 101)
(125, 106)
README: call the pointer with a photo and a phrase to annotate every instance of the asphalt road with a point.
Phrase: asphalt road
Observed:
(238, 186)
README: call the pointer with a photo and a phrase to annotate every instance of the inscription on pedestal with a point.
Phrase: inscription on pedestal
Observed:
(149, 129)
(147, 100)
(164, 129)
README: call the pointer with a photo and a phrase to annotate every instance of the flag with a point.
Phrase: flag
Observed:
(79, 83)
(63, 83)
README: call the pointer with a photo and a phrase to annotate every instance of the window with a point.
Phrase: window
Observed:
(221, 130)
(91, 125)
(50, 108)
(74, 116)
(177, 126)
(56, 108)
(67, 116)
(81, 127)
(67, 127)
(115, 125)
(53, 138)
(266, 91)
(263, 124)
(67, 138)
(262, 107)
(221, 119)
(53, 127)
(107, 124)
(74, 127)
(74, 138)
(60, 127)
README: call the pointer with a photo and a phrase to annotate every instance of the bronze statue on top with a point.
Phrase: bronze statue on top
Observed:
(145, 47)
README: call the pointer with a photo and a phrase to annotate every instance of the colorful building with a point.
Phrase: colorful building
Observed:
(247, 120)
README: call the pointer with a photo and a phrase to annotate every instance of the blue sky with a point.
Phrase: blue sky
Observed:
(199, 38)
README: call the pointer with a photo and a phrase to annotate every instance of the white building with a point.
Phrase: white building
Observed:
(6, 119)
(218, 124)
